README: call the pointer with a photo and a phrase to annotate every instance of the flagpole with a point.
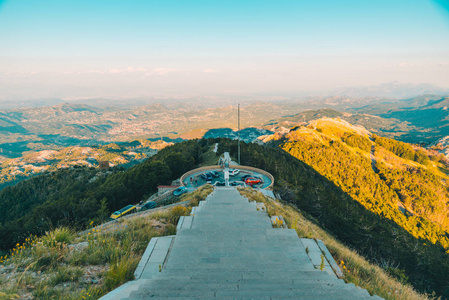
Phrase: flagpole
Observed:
(238, 143)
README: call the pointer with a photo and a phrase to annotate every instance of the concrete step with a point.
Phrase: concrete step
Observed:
(255, 276)
(154, 257)
(226, 286)
(123, 292)
(249, 298)
(228, 249)
(214, 221)
(249, 231)
(233, 225)
(324, 297)
(214, 263)
(316, 292)
(169, 280)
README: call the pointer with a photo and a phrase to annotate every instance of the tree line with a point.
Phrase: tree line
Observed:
(74, 197)
(332, 185)
(340, 191)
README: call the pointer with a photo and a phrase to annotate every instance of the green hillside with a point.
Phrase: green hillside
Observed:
(336, 185)
(380, 183)
(86, 265)
(427, 117)
(391, 208)
(389, 126)
(74, 197)
(329, 175)
(63, 264)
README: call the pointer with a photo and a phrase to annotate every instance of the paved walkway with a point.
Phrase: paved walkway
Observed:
(229, 250)
(192, 185)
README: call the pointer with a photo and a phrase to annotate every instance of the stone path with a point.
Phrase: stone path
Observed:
(229, 250)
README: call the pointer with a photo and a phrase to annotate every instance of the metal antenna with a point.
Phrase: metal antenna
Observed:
(238, 132)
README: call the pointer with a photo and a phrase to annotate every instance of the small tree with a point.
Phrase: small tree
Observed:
(103, 212)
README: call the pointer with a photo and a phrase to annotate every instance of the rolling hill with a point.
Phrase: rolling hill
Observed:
(427, 116)
(401, 184)
(325, 169)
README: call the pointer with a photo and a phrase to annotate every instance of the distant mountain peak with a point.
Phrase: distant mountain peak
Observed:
(394, 90)
(67, 107)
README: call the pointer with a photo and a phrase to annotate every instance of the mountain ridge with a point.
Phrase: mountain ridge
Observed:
(73, 197)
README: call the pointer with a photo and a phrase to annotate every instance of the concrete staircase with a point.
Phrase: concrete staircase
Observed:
(228, 249)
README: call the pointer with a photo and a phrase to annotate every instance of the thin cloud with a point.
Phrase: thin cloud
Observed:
(128, 70)
(405, 65)
(400, 65)
(26, 73)
(163, 71)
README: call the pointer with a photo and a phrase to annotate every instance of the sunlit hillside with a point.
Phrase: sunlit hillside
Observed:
(390, 178)
(32, 163)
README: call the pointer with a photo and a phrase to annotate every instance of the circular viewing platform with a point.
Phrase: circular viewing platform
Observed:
(197, 177)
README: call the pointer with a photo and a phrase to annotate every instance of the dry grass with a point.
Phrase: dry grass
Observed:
(355, 267)
(336, 127)
(304, 134)
(209, 158)
(67, 265)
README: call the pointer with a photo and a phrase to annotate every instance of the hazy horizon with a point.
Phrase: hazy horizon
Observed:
(128, 49)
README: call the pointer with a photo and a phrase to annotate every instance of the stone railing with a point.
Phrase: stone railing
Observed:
(246, 168)
(197, 170)
(162, 197)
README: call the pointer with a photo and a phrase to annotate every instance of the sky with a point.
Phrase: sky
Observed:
(173, 48)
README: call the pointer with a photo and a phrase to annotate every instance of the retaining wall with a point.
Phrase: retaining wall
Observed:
(246, 168)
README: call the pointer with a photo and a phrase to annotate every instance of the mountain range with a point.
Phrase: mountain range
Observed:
(384, 198)
(392, 90)
(69, 124)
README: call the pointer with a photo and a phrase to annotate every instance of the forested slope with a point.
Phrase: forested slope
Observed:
(75, 197)
(335, 183)
(380, 188)
(332, 180)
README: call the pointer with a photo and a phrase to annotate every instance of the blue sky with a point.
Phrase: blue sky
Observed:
(182, 48)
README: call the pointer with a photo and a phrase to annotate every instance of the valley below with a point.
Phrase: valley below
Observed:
(45, 138)
(381, 196)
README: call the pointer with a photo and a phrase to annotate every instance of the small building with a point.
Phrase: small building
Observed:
(103, 165)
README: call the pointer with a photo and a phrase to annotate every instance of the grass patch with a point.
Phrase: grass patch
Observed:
(8, 296)
(67, 265)
(209, 158)
(66, 274)
(198, 195)
(58, 238)
(385, 282)
(121, 271)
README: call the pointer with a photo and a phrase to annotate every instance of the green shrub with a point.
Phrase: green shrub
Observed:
(421, 157)
(170, 229)
(397, 273)
(45, 291)
(58, 238)
(98, 252)
(401, 149)
(8, 296)
(46, 258)
(121, 271)
(356, 140)
(176, 213)
(66, 274)
(93, 292)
